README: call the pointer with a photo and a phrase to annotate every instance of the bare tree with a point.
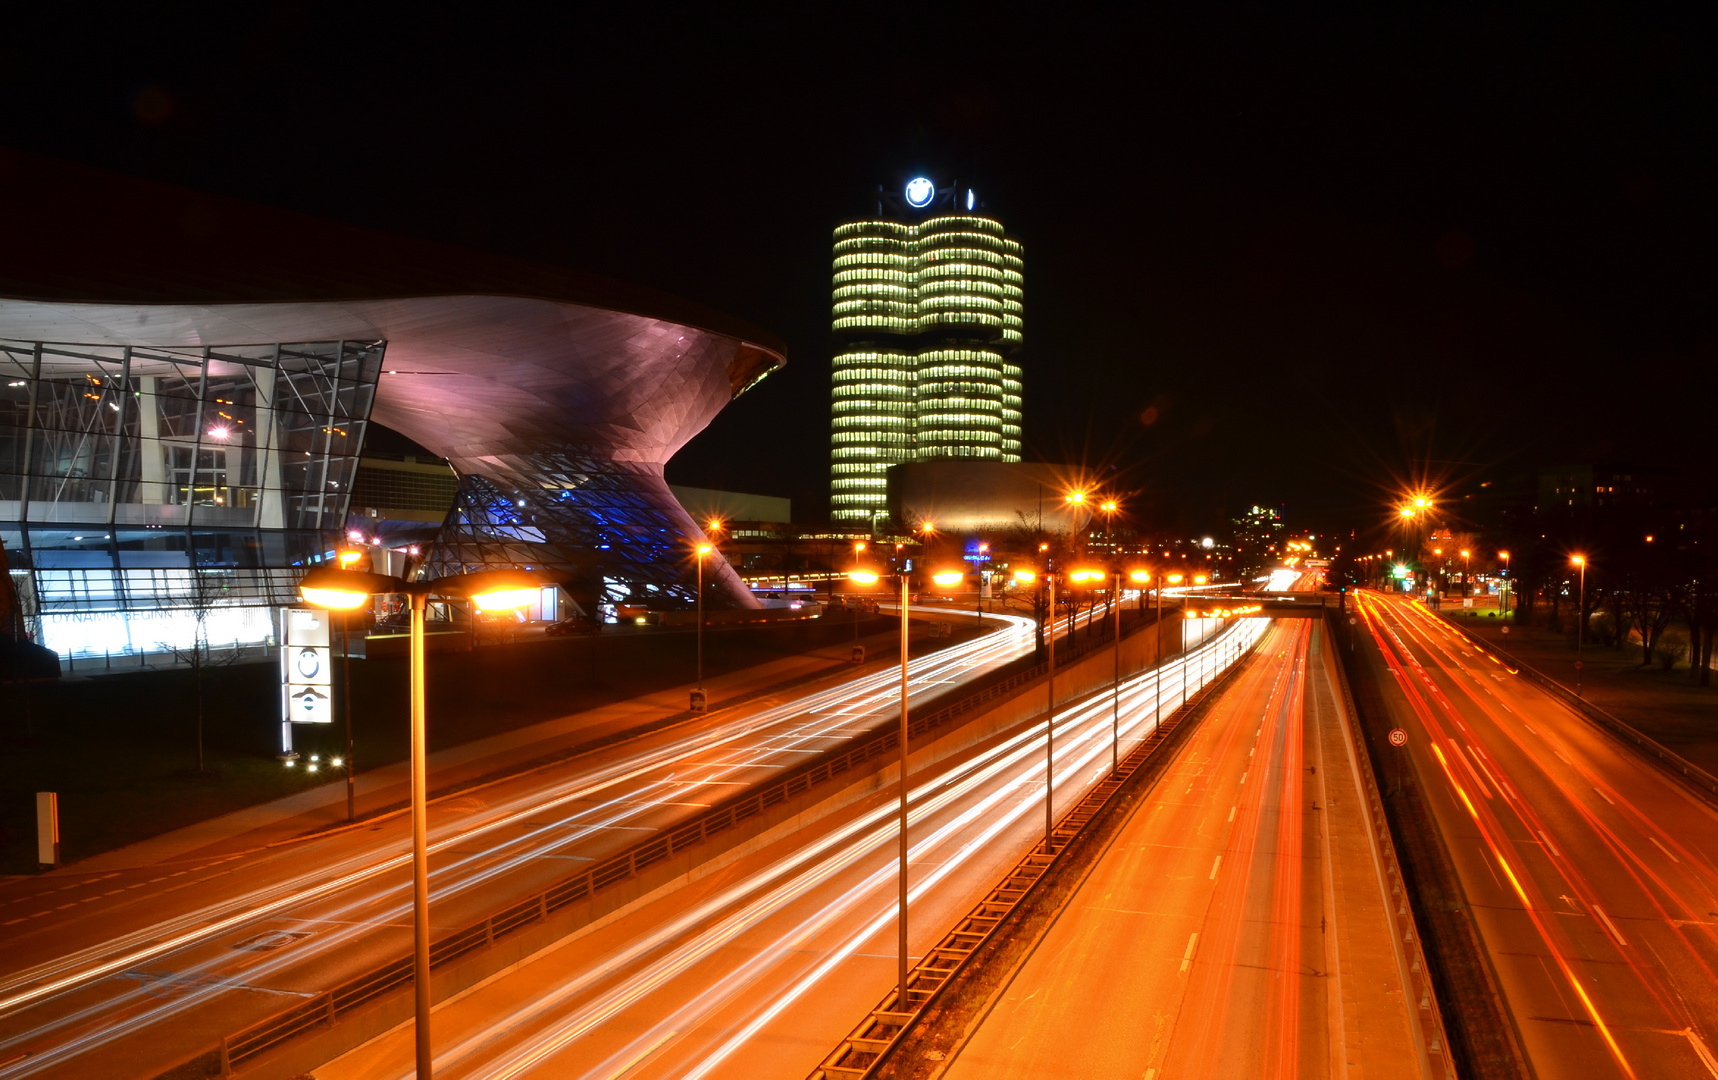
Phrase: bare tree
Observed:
(205, 590)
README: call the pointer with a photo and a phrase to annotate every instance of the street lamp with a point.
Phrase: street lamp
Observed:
(1503, 598)
(700, 700)
(490, 590)
(869, 575)
(1580, 562)
(1140, 577)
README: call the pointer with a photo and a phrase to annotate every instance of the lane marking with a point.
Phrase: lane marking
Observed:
(1664, 849)
(1214, 865)
(1702, 1052)
(1187, 957)
(640, 1056)
(1605, 797)
(1609, 925)
(1232, 813)
(1549, 845)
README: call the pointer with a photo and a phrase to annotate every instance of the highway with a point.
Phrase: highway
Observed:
(761, 968)
(1590, 874)
(1205, 942)
(126, 973)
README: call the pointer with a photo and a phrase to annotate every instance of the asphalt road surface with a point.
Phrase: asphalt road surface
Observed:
(760, 968)
(1204, 942)
(1590, 873)
(127, 973)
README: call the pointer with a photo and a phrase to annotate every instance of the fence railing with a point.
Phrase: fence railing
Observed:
(868, 1046)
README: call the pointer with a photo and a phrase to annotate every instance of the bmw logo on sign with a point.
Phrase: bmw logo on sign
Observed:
(920, 192)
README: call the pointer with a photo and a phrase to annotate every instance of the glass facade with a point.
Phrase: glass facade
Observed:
(152, 496)
(929, 315)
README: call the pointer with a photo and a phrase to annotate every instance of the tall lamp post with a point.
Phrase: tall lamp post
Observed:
(1580, 562)
(869, 575)
(701, 700)
(491, 590)
(1503, 593)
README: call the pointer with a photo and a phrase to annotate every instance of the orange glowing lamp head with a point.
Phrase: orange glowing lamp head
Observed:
(1076, 497)
(705, 549)
(1139, 577)
(1578, 560)
(948, 576)
(1025, 577)
(864, 575)
(1086, 575)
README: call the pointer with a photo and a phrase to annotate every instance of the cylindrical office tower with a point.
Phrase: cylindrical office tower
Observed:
(928, 313)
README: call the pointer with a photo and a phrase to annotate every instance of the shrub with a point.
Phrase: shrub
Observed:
(1672, 646)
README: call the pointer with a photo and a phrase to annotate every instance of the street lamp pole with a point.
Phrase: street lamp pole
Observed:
(1115, 684)
(490, 590)
(901, 919)
(700, 699)
(1580, 620)
(1050, 726)
(346, 675)
(1157, 683)
(420, 842)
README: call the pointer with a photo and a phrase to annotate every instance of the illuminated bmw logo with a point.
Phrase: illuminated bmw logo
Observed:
(920, 192)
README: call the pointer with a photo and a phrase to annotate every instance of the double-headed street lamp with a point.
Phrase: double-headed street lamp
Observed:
(862, 574)
(490, 590)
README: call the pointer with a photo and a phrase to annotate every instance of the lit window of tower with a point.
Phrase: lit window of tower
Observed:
(928, 321)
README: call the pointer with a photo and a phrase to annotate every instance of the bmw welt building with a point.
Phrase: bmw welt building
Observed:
(187, 383)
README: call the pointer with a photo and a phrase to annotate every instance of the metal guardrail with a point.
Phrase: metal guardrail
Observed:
(1432, 1031)
(869, 1044)
(328, 1006)
(1662, 755)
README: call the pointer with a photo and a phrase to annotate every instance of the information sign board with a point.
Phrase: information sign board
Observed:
(306, 662)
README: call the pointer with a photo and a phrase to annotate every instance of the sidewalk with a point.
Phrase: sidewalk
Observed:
(1665, 705)
(386, 789)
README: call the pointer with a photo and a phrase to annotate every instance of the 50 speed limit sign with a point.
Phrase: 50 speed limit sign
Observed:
(1398, 737)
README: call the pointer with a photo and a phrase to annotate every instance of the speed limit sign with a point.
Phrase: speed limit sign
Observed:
(1398, 737)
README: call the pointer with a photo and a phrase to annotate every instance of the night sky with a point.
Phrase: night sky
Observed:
(1270, 257)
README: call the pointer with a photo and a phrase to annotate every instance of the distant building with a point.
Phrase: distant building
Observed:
(186, 415)
(984, 496)
(928, 313)
(1258, 539)
(1606, 488)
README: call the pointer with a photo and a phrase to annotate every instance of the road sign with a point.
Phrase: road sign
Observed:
(1398, 737)
(1579, 664)
(1506, 629)
(305, 662)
